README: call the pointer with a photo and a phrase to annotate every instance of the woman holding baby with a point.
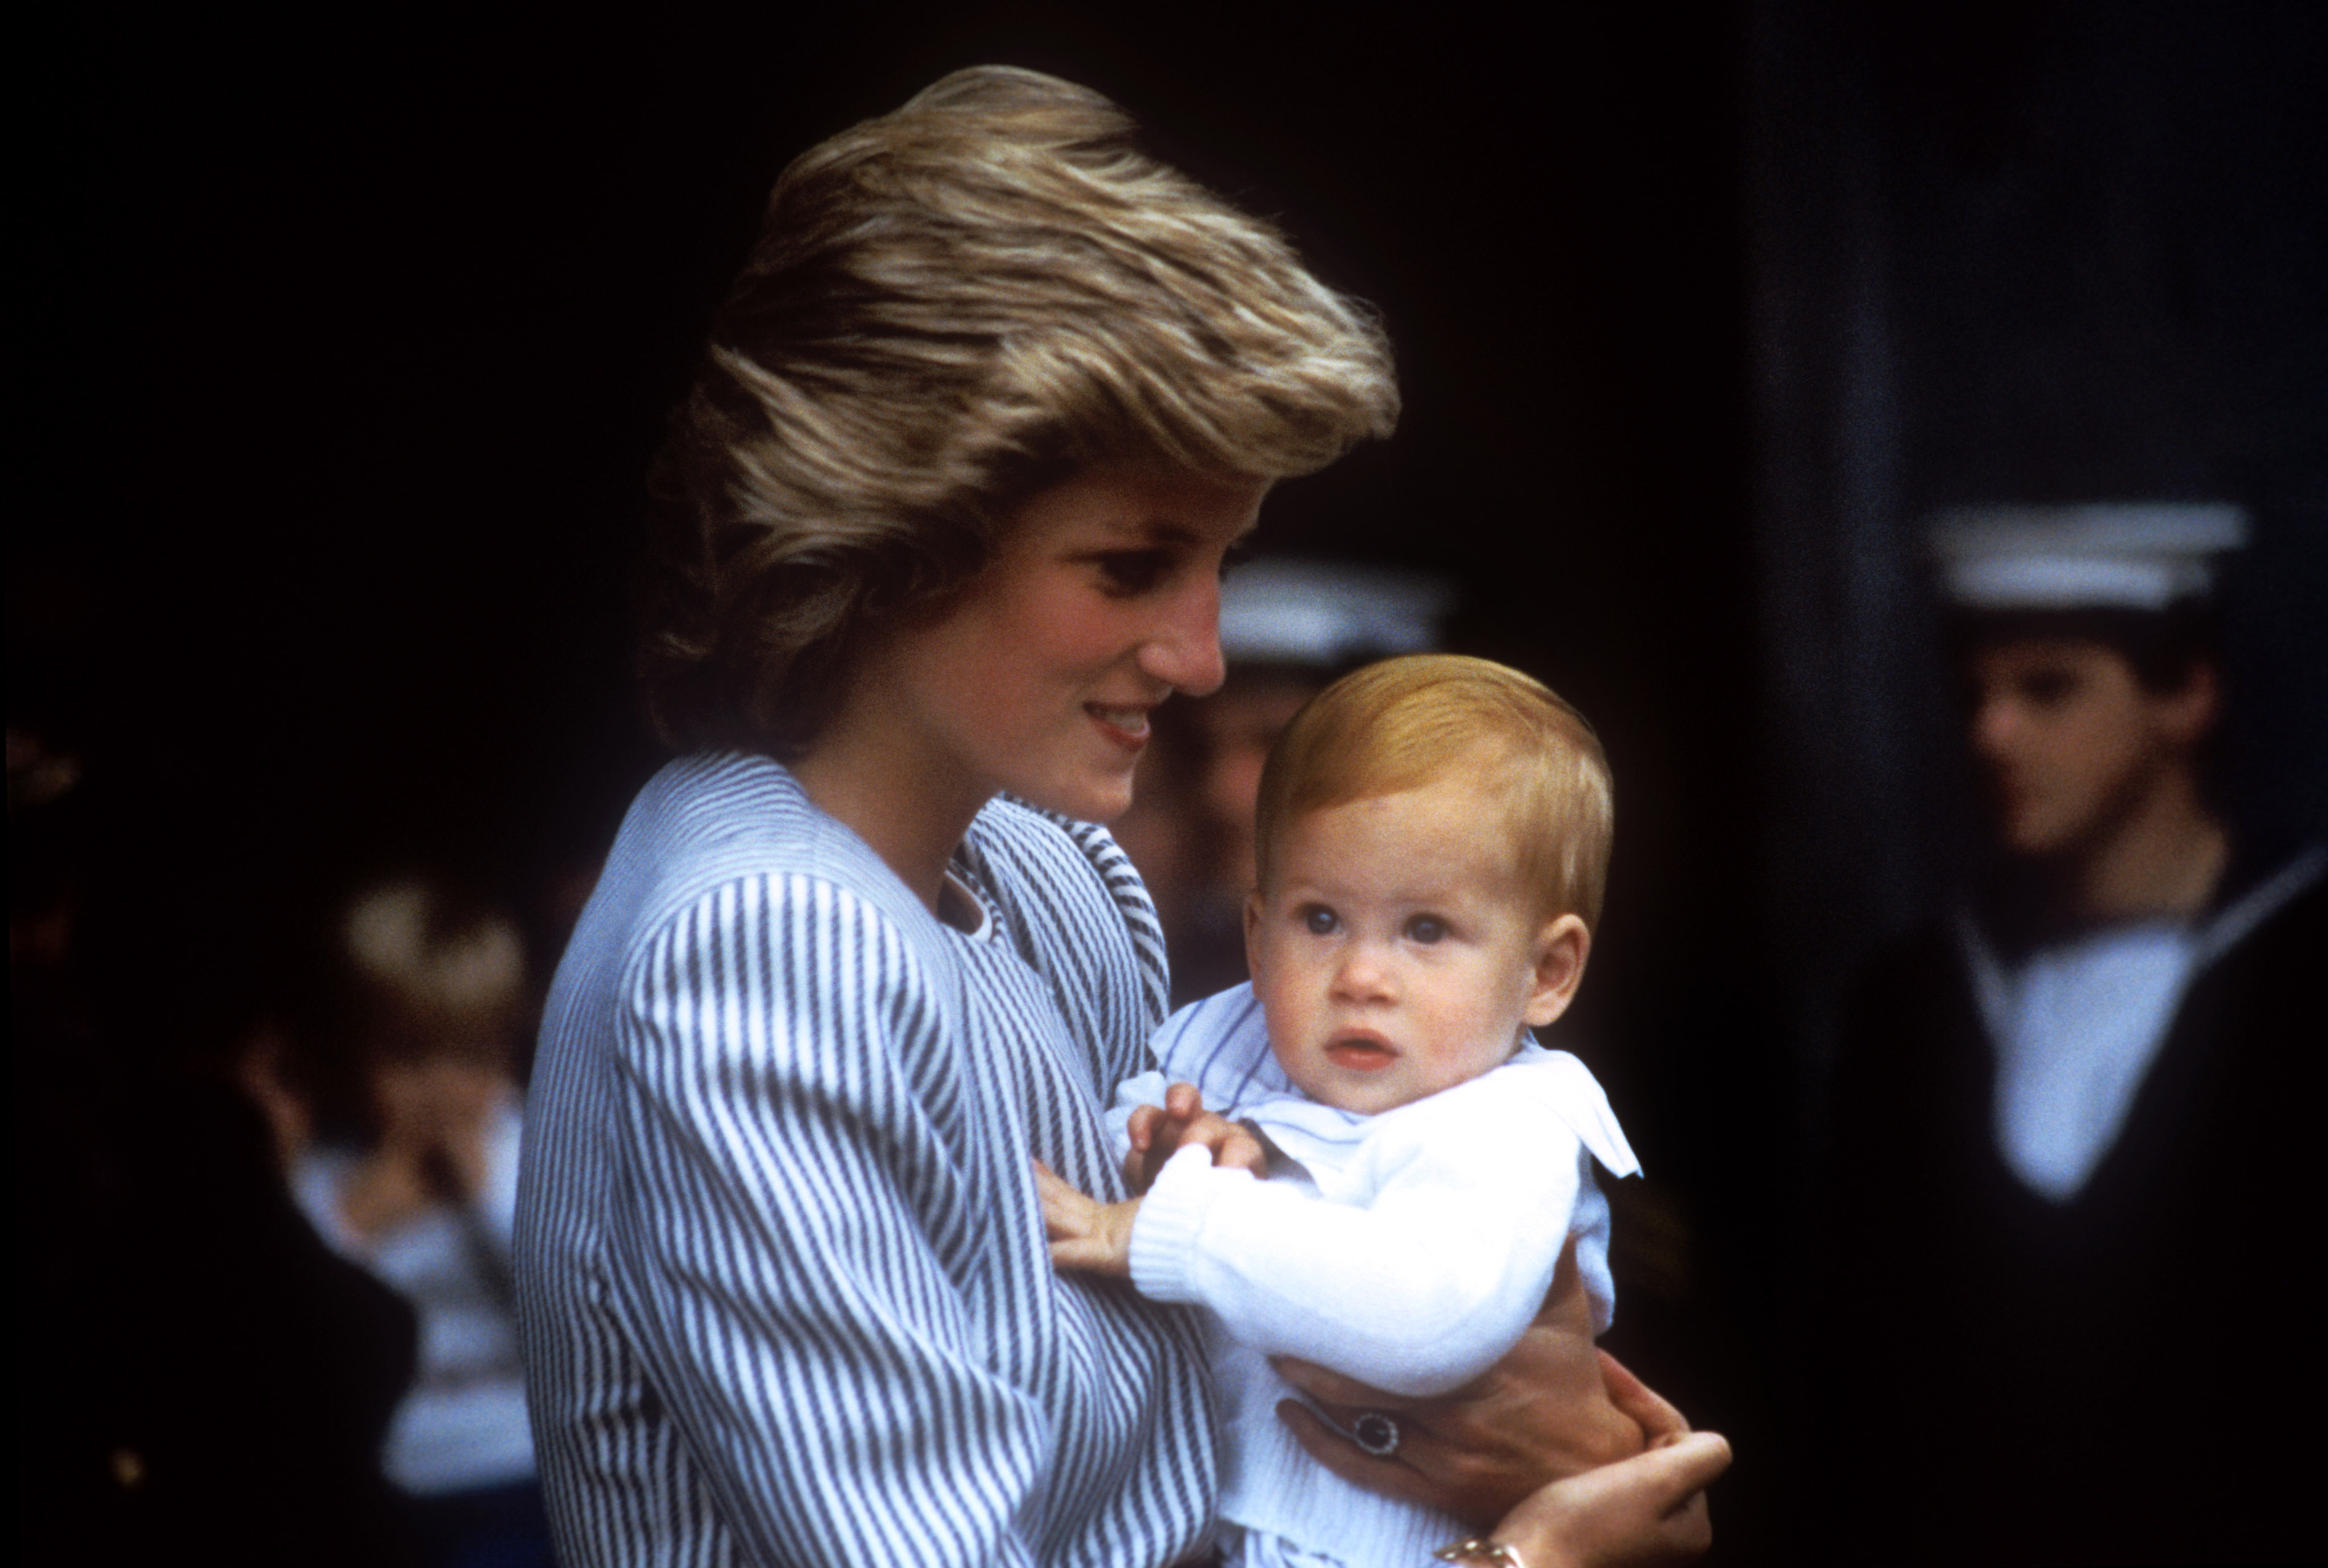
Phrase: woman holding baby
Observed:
(939, 525)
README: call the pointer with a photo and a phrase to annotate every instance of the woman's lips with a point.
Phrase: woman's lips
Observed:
(1126, 727)
(1358, 1053)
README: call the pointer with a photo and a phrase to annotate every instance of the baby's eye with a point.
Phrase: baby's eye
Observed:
(1319, 920)
(1426, 929)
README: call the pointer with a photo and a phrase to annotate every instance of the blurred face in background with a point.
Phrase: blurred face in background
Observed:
(2071, 741)
(1239, 724)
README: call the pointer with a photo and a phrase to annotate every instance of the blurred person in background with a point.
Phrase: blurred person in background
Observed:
(428, 1201)
(1289, 629)
(2071, 1179)
(198, 1379)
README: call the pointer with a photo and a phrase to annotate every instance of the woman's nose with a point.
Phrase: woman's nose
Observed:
(1184, 647)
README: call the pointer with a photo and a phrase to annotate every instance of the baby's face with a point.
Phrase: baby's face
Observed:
(1394, 953)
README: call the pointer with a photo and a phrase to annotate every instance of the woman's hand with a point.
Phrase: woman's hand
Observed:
(1159, 1132)
(1547, 1410)
(1635, 1513)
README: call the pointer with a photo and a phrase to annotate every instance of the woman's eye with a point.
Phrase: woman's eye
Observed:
(1235, 556)
(1426, 929)
(1135, 571)
(1319, 921)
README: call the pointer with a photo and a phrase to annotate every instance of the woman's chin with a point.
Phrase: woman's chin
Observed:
(1085, 800)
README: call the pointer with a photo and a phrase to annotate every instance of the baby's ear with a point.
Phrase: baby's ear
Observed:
(1561, 949)
(1253, 933)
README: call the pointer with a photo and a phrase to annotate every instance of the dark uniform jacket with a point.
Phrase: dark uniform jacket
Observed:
(2130, 1376)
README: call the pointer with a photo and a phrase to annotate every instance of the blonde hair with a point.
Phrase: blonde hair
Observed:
(1405, 723)
(949, 307)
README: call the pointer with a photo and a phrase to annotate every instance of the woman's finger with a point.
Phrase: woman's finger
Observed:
(1659, 1417)
(1697, 1461)
(1670, 1476)
(1339, 1454)
(1343, 1398)
(1649, 1509)
(1685, 1532)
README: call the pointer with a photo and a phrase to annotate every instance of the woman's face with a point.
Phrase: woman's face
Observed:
(1103, 600)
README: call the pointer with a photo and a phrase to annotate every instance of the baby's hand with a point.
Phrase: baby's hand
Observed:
(1159, 1132)
(1084, 1232)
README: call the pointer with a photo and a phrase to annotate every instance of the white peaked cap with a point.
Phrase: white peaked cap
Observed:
(2103, 556)
(1293, 612)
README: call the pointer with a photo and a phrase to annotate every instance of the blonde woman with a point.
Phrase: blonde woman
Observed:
(940, 524)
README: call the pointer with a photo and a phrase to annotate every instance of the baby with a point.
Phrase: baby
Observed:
(1433, 835)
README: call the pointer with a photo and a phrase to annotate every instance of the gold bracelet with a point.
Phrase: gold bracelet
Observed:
(1486, 1551)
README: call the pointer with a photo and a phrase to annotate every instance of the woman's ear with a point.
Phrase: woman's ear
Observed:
(1560, 952)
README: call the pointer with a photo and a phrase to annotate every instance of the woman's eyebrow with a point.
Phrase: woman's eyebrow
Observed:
(1163, 531)
(1170, 531)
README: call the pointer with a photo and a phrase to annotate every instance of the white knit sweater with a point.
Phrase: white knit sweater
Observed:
(1409, 1250)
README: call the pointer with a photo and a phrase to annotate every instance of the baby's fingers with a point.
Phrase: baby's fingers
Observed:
(1183, 1102)
(1233, 1145)
(1142, 1126)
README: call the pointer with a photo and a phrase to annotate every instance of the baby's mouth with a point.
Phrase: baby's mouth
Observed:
(1360, 1053)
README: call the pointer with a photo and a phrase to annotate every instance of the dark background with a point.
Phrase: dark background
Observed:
(342, 341)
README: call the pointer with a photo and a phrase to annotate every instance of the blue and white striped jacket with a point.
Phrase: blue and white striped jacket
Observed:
(781, 1276)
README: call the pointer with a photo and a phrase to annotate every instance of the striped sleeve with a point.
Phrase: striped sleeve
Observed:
(793, 1233)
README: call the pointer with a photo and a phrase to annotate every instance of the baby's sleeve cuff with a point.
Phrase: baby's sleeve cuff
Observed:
(1171, 1217)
